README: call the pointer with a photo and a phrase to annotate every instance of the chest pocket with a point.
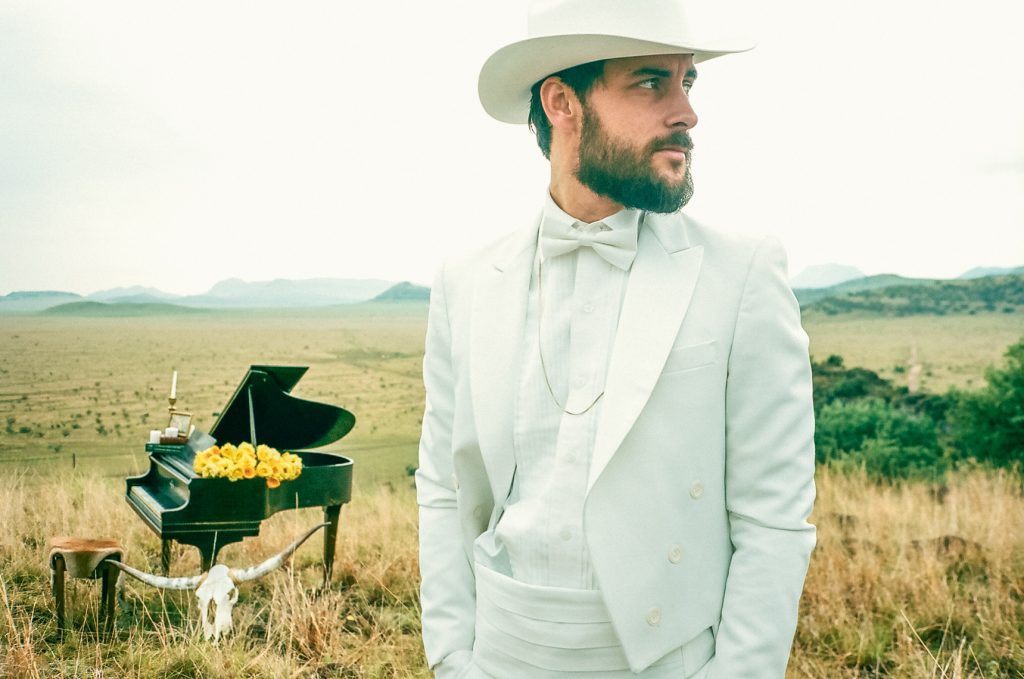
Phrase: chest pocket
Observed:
(689, 357)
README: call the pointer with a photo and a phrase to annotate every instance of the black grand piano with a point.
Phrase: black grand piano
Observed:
(212, 512)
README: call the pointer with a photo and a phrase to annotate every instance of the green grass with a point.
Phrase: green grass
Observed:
(952, 350)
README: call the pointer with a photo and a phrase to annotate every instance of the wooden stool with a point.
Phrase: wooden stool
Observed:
(83, 558)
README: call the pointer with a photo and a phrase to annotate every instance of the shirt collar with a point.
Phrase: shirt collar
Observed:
(626, 218)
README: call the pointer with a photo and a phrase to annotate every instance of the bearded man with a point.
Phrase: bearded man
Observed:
(616, 466)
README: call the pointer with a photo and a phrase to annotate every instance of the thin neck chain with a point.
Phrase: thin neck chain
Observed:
(540, 348)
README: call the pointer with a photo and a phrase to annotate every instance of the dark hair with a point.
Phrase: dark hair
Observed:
(579, 79)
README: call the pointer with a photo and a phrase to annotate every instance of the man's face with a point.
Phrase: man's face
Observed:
(634, 142)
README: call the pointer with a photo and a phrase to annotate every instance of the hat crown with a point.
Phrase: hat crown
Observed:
(650, 20)
(566, 33)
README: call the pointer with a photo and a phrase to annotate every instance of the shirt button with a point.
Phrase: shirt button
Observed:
(654, 616)
(696, 490)
(588, 308)
(675, 555)
(566, 534)
(455, 481)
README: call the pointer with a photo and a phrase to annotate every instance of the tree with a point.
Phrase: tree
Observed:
(989, 423)
(889, 441)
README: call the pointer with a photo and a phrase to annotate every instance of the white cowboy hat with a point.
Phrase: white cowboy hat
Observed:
(565, 33)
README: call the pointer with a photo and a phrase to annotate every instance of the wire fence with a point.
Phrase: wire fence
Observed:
(130, 463)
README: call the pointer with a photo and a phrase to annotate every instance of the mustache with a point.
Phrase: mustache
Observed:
(678, 139)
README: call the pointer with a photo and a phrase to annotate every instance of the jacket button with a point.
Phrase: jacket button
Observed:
(696, 490)
(478, 512)
(654, 616)
(675, 555)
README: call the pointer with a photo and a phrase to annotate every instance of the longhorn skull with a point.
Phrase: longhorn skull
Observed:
(219, 585)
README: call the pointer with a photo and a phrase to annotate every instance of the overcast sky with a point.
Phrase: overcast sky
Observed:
(178, 144)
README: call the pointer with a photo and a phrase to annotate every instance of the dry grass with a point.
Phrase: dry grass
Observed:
(366, 625)
(915, 580)
(908, 580)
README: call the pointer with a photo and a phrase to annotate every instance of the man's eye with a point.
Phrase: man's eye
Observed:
(650, 83)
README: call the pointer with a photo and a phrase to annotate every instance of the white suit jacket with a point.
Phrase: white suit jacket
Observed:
(702, 477)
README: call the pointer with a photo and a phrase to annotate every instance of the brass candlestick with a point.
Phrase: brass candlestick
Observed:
(178, 419)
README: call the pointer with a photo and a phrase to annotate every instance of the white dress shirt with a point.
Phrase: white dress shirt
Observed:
(572, 315)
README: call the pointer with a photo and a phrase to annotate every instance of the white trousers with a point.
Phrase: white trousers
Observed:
(534, 632)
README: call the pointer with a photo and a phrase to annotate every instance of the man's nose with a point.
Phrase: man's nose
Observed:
(681, 113)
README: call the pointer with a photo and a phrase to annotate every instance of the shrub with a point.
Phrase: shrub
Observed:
(833, 381)
(888, 440)
(989, 423)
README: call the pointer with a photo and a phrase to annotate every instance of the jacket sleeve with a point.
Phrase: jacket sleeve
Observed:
(769, 475)
(447, 590)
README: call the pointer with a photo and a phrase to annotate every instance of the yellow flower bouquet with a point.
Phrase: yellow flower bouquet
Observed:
(246, 461)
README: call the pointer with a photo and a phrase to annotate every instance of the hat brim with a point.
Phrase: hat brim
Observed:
(508, 75)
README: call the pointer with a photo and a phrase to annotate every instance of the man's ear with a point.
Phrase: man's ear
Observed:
(562, 106)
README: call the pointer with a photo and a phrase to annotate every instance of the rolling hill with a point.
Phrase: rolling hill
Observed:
(885, 280)
(120, 310)
(921, 296)
(404, 292)
(29, 301)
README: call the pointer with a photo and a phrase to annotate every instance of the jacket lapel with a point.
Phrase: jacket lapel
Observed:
(496, 341)
(658, 293)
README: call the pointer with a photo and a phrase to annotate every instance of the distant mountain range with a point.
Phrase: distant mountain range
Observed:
(978, 290)
(983, 271)
(830, 275)
(230, 293)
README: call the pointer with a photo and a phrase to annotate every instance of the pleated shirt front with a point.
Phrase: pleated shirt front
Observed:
(571, 321)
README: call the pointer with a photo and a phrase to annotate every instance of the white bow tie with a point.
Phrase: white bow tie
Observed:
(616, 246)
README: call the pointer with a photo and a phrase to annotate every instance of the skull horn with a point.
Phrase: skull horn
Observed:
(157, 580)
(244, 574)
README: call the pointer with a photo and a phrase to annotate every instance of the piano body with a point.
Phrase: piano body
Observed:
(212, 512)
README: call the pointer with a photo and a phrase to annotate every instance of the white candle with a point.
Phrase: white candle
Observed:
(154, 436)
(174, 384)
(171, 432)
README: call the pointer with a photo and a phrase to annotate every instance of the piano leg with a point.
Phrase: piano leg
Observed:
(208, 549)
(331, 515)
(165, 556)
(107, 599)
(57, 585)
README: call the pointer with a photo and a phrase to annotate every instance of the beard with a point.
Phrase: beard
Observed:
(620, 172)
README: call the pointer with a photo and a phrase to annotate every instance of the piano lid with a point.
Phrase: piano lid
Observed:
(263, 411)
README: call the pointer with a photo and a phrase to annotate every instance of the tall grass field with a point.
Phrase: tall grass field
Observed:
(909, 579)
